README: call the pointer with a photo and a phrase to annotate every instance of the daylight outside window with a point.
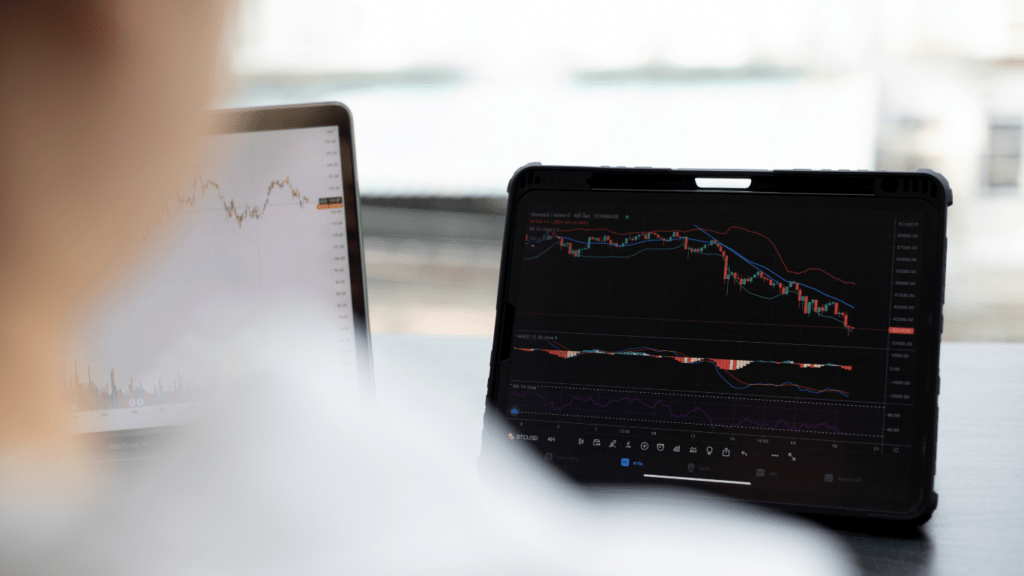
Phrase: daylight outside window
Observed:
(449, 97)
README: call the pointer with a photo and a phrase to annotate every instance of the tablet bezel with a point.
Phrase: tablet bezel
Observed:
(929, 187)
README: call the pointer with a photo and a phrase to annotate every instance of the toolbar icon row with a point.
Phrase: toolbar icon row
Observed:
(661, 446)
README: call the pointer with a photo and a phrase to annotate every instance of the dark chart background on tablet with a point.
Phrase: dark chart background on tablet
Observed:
(716, 331)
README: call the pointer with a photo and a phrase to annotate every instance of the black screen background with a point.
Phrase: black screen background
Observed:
(598, 330)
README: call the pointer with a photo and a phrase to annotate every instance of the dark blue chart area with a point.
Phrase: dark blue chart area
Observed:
(702, 412)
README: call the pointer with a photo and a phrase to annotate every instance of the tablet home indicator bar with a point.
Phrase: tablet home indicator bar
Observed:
(712, 480)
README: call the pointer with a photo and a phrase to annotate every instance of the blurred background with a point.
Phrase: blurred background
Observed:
(449, 97)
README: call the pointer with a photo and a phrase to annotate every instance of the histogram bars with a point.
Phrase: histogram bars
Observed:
(89, 396)
(822, 305)
(722, 367)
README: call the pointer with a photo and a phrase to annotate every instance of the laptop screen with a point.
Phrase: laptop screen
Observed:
(257, 232)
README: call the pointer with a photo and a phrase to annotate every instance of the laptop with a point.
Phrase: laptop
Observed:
(268, 221)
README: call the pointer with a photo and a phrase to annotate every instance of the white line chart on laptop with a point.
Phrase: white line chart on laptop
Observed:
(245, 239)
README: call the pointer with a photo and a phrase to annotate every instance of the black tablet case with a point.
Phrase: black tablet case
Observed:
(922, 184)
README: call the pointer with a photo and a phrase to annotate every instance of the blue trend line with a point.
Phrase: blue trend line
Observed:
(541, 254)
(757, 266)
(766, 269)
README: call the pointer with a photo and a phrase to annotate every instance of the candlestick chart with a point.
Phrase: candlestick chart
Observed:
(737, 271)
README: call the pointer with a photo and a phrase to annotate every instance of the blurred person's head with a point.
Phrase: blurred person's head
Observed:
(100, 105)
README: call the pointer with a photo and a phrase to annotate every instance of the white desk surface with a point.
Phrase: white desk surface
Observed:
(978, 527)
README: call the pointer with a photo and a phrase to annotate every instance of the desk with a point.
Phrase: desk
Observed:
(978, 527)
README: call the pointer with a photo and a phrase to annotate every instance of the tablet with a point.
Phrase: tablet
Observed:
(770, 335)
(268, 221)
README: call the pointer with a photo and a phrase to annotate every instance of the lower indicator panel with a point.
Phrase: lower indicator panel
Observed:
(702, 411)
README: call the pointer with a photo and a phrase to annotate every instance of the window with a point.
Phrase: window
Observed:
(1004, 149)
(451, 96)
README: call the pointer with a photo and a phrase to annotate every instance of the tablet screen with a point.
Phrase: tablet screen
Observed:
(763, 346)
(258, 230)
